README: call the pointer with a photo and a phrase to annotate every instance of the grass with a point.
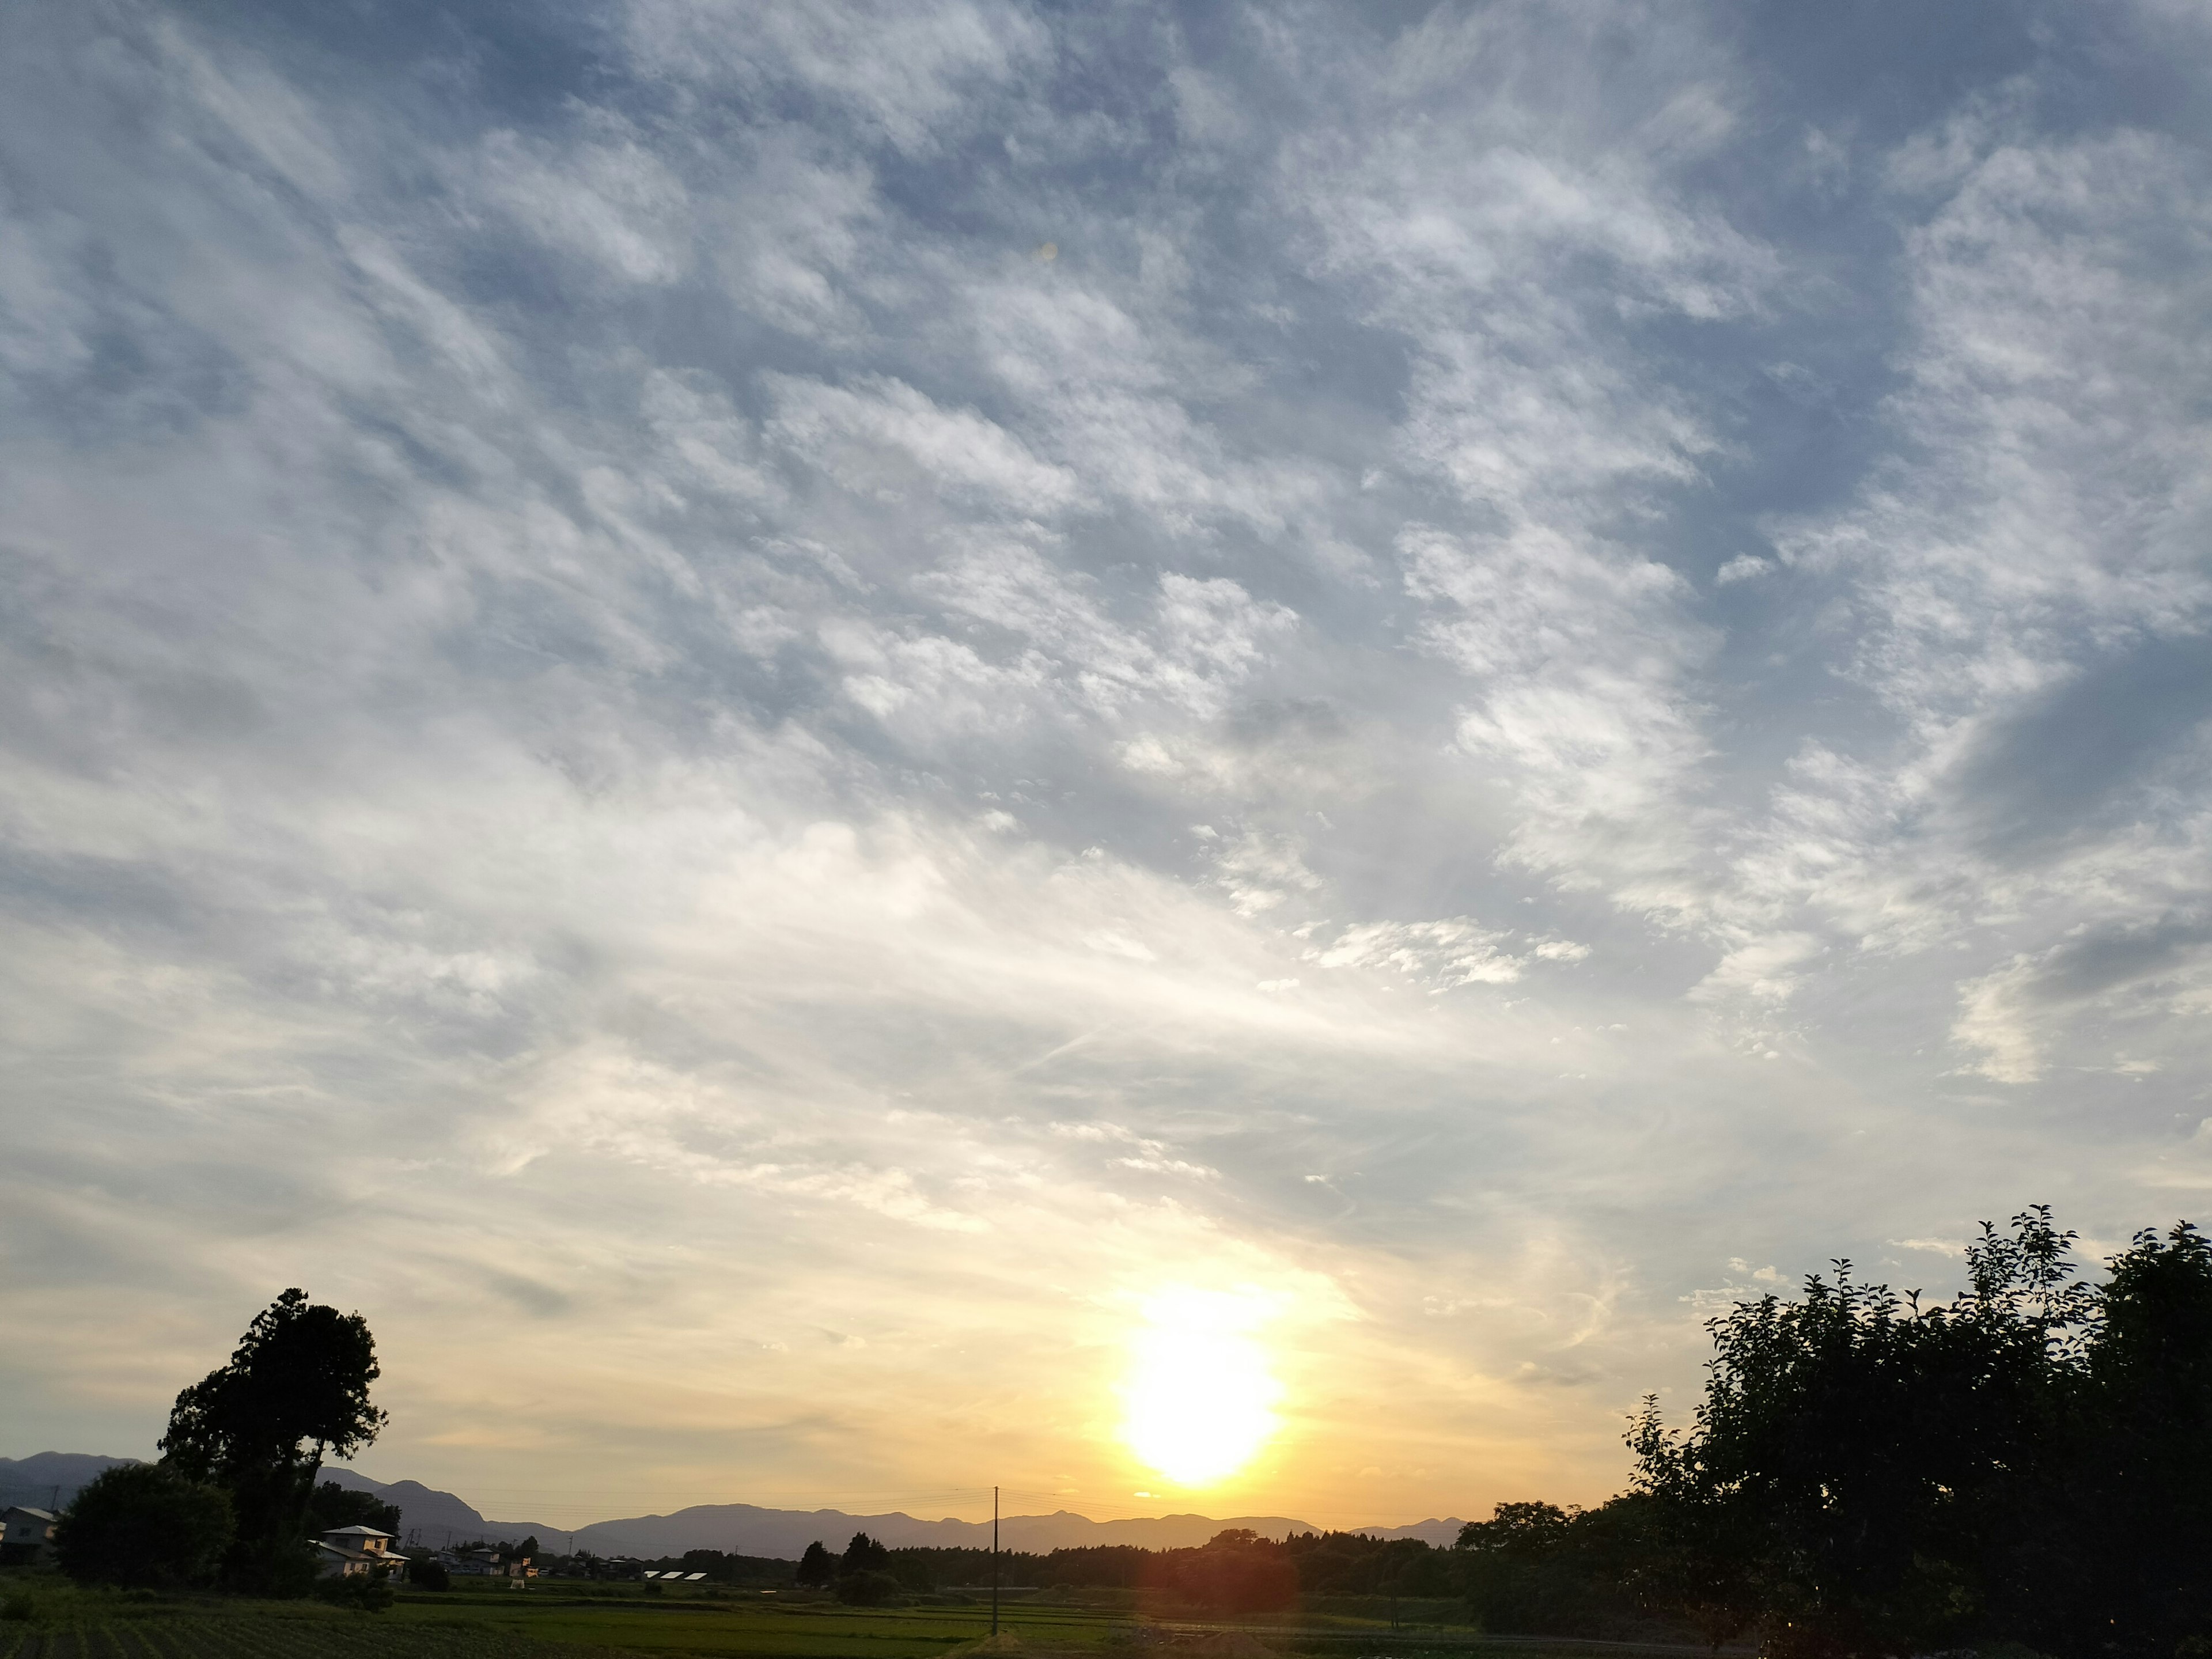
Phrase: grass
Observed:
(43, 1617)
(754, 1627)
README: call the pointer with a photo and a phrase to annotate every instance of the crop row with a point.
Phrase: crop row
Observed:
(263, 1639)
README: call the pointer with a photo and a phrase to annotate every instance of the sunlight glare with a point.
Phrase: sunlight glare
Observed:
(1199, 1395)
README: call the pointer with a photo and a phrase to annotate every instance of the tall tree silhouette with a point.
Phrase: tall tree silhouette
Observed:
(295, 1392)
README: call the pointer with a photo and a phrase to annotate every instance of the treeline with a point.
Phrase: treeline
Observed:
(2029, 1462)
(1236, 1571)
(1533, 1569)
(2026, 1467)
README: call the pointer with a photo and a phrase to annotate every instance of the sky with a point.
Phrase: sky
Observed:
(795, 729)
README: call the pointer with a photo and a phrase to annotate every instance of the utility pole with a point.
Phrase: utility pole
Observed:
(994, 1561)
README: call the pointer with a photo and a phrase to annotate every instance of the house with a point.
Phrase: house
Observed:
(26, 1537)
(485, 1564)
(344, 1552)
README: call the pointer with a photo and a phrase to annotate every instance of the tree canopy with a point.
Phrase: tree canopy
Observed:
(295, 1391)
(299, 1379)
(143, 1527)
(333, 1506)
(864, 1554)
(816, 1566)
(2028, 1461)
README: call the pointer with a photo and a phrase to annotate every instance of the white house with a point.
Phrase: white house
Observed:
(26, 1536)
(346, 1550)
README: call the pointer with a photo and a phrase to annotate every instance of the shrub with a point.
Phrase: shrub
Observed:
(141, 1526)
(869, 1589)
(364, 1592)
(429, 1575)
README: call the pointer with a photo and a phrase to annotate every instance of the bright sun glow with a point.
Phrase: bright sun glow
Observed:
(1199, 1396)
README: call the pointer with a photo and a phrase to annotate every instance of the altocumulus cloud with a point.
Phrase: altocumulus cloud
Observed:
(1561, 648)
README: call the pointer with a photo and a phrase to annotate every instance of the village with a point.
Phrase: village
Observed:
(363, 1551)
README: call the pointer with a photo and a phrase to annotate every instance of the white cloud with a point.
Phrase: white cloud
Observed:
(1584, 662)
(846, 431)
(607, 199)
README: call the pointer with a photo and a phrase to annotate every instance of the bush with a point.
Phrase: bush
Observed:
(364, 1592)
(869, 1589)
(429, 1575)
(141, 1526)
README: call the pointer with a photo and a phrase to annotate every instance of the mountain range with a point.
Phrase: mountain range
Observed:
(427, 1515)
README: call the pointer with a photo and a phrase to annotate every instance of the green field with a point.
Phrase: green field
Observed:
(44, 1618)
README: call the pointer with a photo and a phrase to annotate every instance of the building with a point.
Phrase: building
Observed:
(486, 1563)
(26, 1537)
(344, 1552)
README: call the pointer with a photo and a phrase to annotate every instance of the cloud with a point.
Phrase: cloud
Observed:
(620, 690)
(2005, 1013)
(956, 449)
(1444, 955)
(1585, 661)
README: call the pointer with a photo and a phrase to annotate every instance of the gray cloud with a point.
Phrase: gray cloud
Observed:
(2078, 756)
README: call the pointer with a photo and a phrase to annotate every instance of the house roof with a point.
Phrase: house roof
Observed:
(25, 1509)
(355, 1531)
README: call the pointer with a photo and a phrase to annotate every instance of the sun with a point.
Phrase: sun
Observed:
(1198, 1396)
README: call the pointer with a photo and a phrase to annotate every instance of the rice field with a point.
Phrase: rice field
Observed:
(52, 1621)
(257, 1638)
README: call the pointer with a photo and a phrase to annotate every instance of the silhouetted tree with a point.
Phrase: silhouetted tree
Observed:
(296, 1390)
(333, 1506)
(1237, 1572)
(817, 1567)
(2130, 1572)
(143, 1527)
(864, 1554)
(869, 1588)
(363, 1592)
(1535, 1569)
(2029, 1462)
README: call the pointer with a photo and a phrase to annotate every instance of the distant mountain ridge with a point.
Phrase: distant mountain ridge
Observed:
(744, 1530)
(49, 1479)
(427, 1515)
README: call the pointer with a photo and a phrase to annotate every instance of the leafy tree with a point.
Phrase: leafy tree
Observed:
(429, 1573)
(2029, 1461)
(869, 1588)
(1536, 1569)
(295, 1391)
(332, 1506)
(363, 1592)
(143, 1527)
(2131, 1573)
(864, 1554)
(1528, 1530)
(1353, 1564)
(817, 1567)
(1237, 1572)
